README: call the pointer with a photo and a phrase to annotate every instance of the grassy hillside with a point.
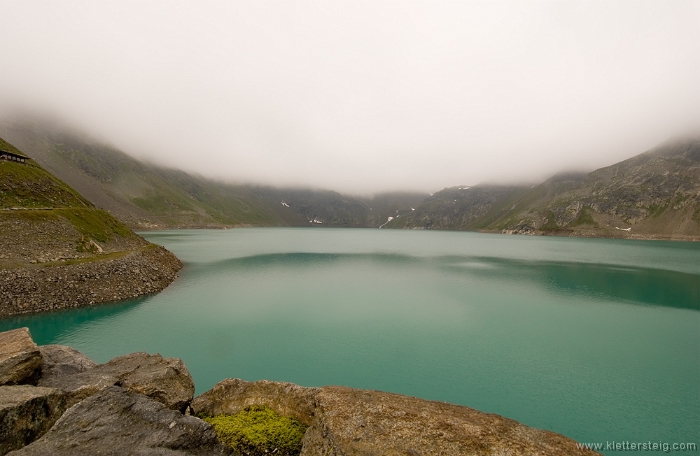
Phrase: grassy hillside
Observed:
(654, 194)
(147, 196)
(141, 195)
(31, 194)
(57, 250)
(30, 186)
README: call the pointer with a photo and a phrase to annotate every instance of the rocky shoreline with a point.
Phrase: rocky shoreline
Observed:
(529, 231)
(55, 400)
(114, 277)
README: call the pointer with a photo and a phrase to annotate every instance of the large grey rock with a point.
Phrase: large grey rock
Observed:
(346, 421)
(117, 422)
(19, 357)
(166, 380)
(60, 360)
(232, 395)
(26, 413)
(359, 422)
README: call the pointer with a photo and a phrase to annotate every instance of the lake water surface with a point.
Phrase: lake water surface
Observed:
(597, 339)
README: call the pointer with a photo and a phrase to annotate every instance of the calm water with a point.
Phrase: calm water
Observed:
(596, 339)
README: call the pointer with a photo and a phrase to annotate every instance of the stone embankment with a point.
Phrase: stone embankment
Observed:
(47, 263)
(112, 277)
(54, 400)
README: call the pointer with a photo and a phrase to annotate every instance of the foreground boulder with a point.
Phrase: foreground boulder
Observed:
(233, 395)
(117, 422)
(347, 421)
(20, 357)
(361, 422)
(134, 405)
(26, 413)
(166, 380)
(59, 360)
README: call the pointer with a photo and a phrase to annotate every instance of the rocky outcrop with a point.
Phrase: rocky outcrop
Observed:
(66, 377)
(654, 195)
(137, 405)
(20, 357)
(46, 287)
(347, 421)
(460, 208)
(118, 422)
(59, 360)
(165, 380)
(233, 395)
(27, 412)
(351, 421)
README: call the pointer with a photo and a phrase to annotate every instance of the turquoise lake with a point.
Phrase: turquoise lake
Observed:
(597, 339)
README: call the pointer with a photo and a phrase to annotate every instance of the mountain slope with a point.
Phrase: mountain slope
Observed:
(146, 196)
(58, 250)
(460, 208)
(139, 194)
(653, 195)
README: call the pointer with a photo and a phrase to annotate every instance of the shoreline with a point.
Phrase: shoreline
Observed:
(58, 401)
(558, 233)
(127, 275)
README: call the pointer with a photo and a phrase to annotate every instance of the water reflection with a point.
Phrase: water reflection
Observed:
(46, 328)
(599, 281)
(628, 284)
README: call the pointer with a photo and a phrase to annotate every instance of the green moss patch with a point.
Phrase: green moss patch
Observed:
(584, 218)
(258, 430)
(29, 186)
(95, 223)
(696, 215)
(551, 222)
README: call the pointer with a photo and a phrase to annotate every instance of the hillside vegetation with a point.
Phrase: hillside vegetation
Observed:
(32, 197)
(147, 196)
(58, 250)
(652, 195)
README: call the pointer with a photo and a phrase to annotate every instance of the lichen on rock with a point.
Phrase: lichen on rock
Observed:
(257, 430)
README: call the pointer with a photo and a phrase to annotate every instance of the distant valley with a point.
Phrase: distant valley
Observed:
(653, 195)
(146, 196)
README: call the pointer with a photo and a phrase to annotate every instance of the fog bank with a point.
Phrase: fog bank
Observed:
(361, 96)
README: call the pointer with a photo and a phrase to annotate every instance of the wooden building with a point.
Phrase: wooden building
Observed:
(13, 156)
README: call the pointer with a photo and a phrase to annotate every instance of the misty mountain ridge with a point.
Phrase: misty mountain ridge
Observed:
(653, 194)
(148, 196)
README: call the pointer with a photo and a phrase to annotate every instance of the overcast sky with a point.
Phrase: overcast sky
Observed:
(360, 96)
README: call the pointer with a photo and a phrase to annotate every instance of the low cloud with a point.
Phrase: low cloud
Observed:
(361, 96)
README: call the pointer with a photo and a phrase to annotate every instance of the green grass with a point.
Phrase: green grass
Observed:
(584, 218)
(30, 186)
(94, 223)
(4, 145)
(551, 222)
(657, 210)
(696, 215)
(257, 430)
